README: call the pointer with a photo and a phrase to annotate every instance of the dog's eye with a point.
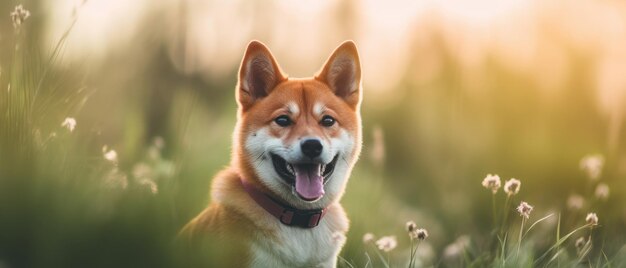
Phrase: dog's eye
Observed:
(283, 121)
(327, 121)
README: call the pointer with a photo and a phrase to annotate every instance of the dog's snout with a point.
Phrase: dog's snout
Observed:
(311, 147)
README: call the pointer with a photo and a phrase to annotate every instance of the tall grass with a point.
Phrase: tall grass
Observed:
(65, 199)
(577, 248)
(72, 198)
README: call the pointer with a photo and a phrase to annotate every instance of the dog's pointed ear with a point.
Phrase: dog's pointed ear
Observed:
(258, 74)
(342, 73)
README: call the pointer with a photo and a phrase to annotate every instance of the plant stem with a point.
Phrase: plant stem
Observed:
(590, 243)
(493, 211)
(380, 256)
(388, 264)
(521, 230)
(506, 214)
(414, 253)
(411, 260)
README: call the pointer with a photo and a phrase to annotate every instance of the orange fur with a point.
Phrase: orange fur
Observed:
(232, 215)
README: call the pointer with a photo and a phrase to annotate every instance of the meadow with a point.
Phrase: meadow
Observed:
(492, 138)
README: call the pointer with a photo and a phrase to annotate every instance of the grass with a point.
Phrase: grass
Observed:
(65, 201)
(522, 253)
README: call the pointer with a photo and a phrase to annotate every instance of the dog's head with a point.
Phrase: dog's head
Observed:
(299, 138)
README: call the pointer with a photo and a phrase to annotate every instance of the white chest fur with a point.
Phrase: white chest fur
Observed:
(298, 247)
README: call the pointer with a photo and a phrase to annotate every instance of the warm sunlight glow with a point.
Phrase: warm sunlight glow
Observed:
(440, 133)
(200, 36)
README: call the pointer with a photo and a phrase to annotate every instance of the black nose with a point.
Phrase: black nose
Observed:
(311, 148)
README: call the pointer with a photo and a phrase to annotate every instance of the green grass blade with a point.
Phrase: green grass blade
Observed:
(559, 242)
(535, 223)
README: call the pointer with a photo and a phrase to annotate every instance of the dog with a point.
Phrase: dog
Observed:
(294, 146)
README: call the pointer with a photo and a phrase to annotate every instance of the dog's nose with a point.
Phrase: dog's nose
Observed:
(311, 147)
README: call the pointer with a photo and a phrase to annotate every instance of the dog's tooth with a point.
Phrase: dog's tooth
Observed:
(290, 169)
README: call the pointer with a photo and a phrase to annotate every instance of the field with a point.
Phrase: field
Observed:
(115, 116)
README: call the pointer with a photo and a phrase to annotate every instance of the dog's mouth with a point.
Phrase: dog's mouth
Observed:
(307, 178)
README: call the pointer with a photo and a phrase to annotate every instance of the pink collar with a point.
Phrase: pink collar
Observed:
(287, 215)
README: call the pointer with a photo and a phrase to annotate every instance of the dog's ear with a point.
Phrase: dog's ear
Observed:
(258, 74)
(342, 73)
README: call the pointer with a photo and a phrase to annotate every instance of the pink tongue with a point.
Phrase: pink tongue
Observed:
(309, 181)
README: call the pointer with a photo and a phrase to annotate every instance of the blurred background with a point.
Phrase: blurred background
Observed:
(453, 90)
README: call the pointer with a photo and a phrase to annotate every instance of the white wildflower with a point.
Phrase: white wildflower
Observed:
(592, 165)
(19, 15)
(150, 184)
(110, 155)
(421, 233)
(492, 182)
(524, 209)
(368, 238)
(602, 191)
(411, 226)
(580, 243)
(511, 187)
(592, 219)
(142, 170)
(414, 233)
(69, 123)
(387, 243)
(457, 247)
(575, 202)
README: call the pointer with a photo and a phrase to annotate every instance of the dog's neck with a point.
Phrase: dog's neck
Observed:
(286, 214)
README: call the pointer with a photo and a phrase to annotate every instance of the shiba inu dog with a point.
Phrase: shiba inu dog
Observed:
(294, 146)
